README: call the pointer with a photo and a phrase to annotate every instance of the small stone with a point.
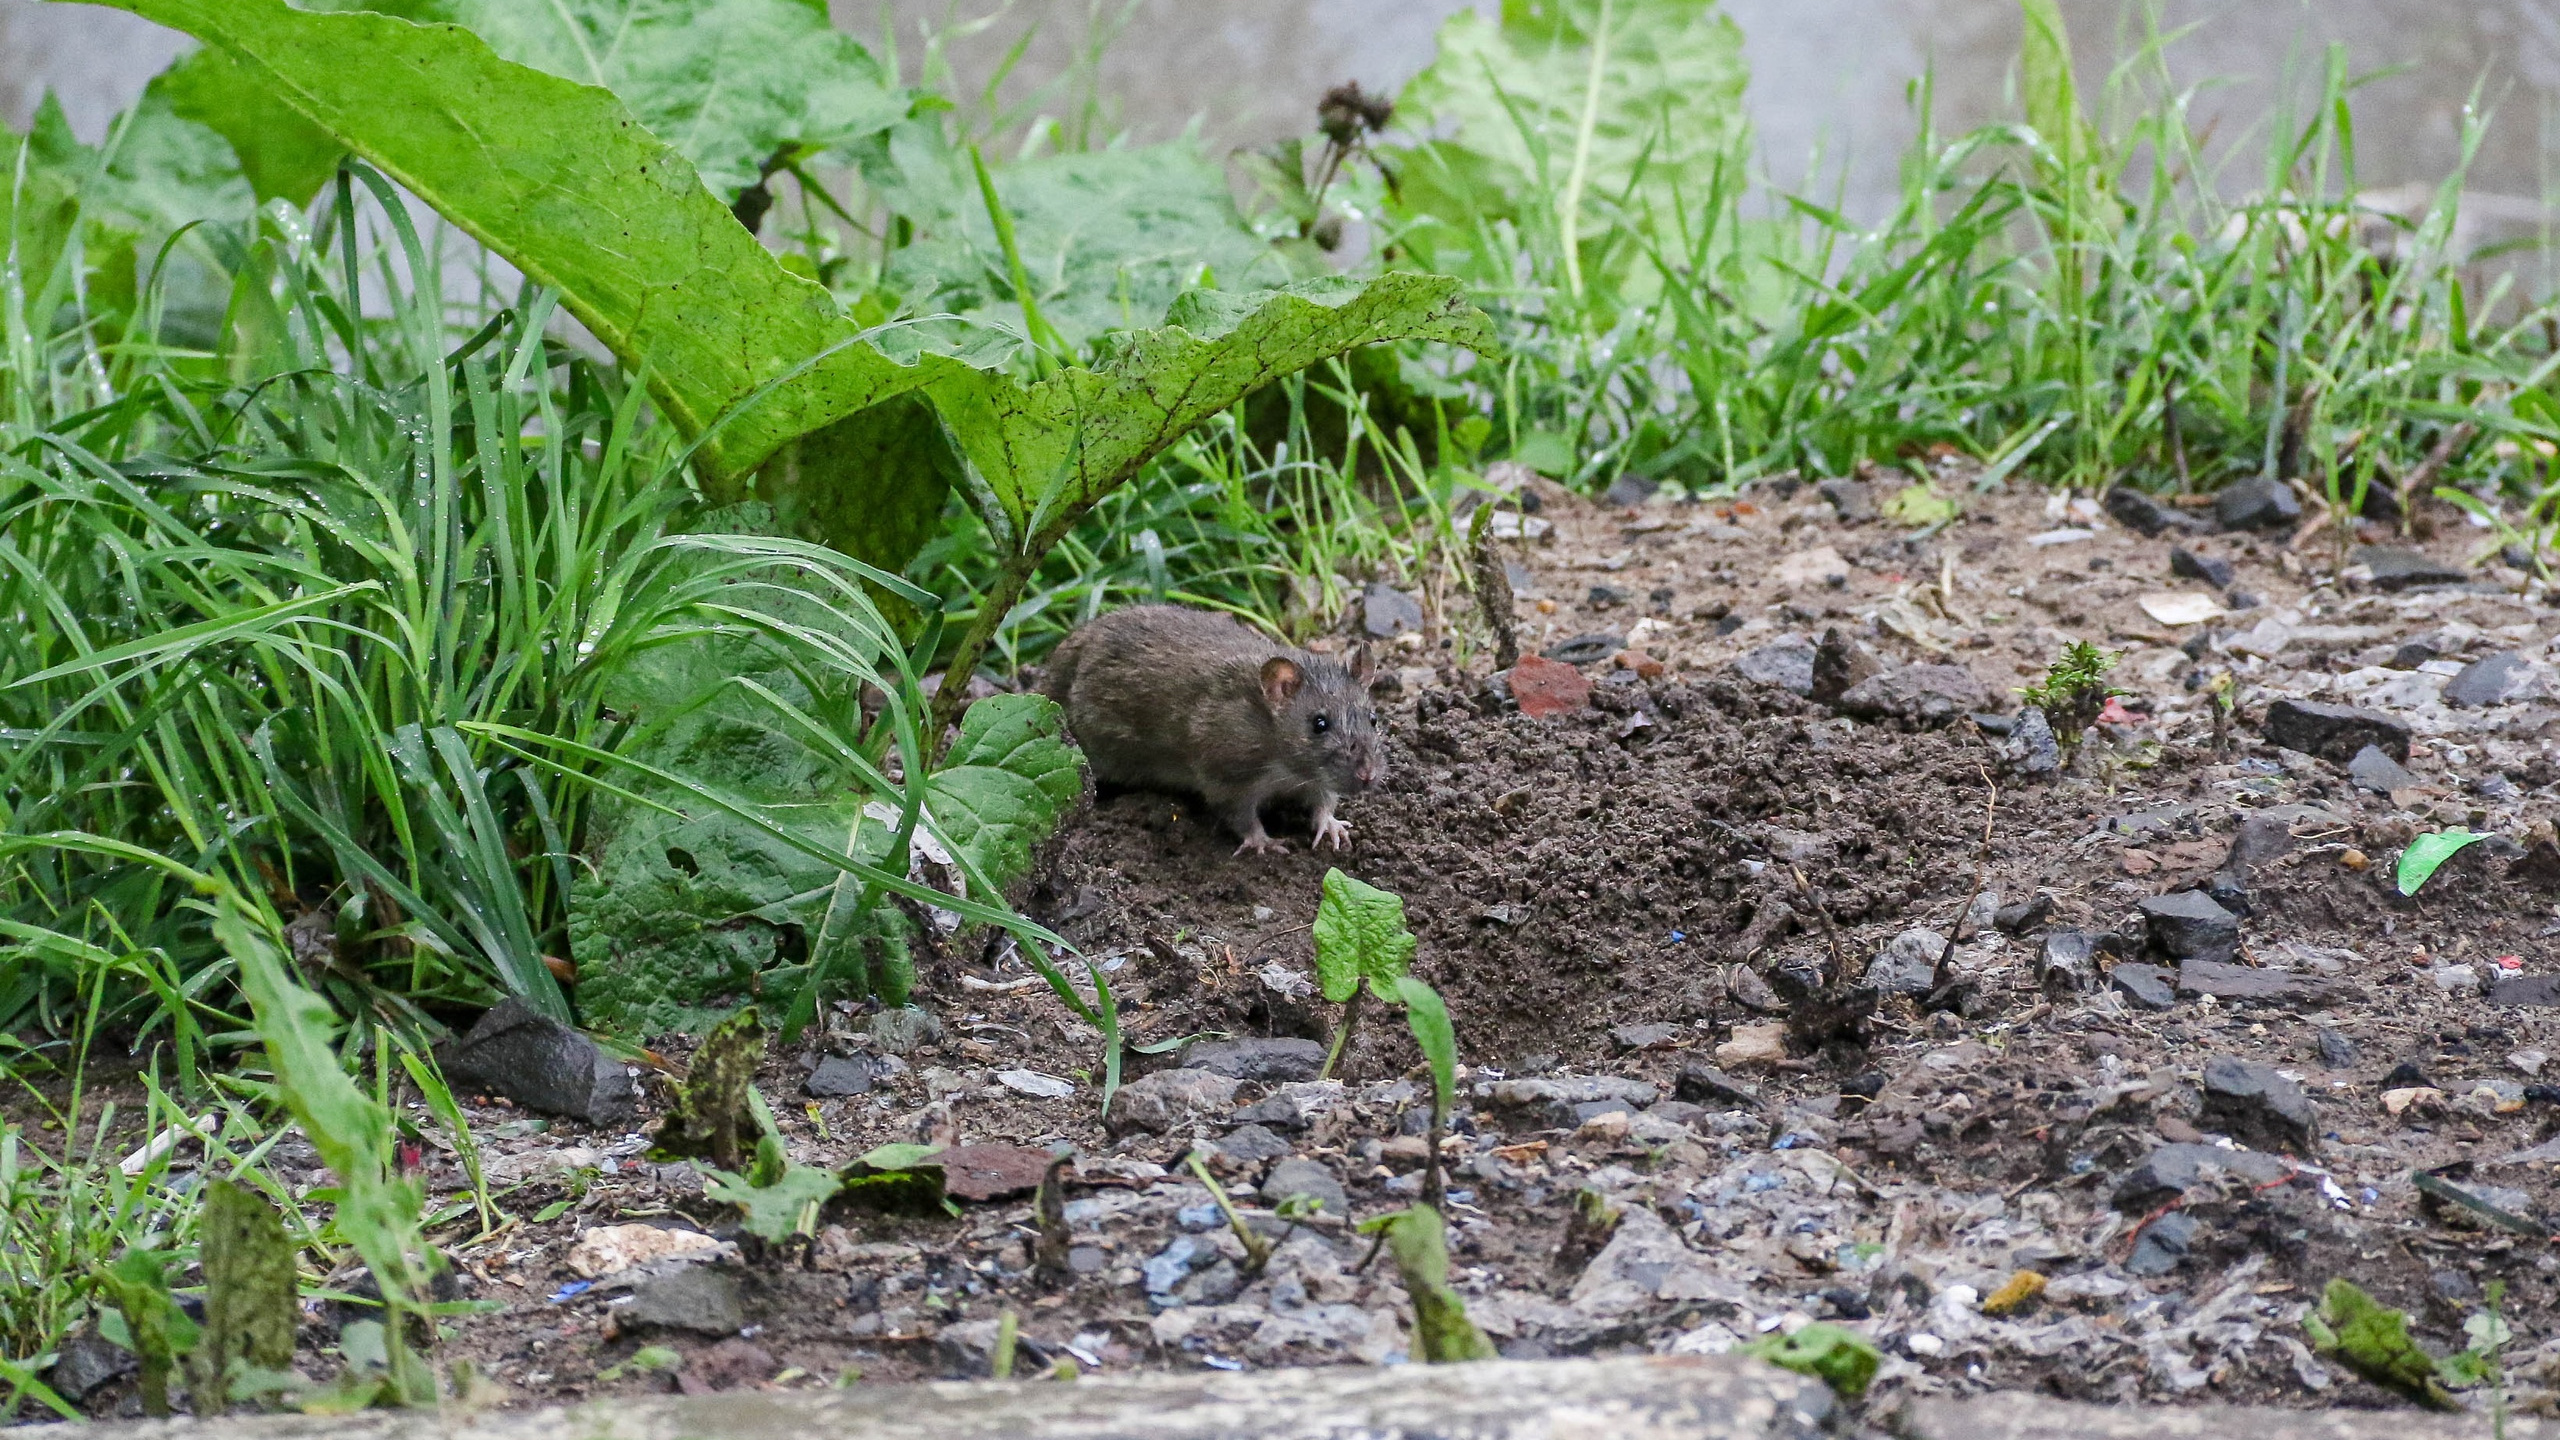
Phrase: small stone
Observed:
(2271, 834)
(1252, 1145)
(2020, 918)
(1309, 1178)
(2536, 991)
(1753, 1045)
(1908, 966)
(2402, 1099)
(1648, 1037)
(2258, 1106)
(2188, 924)
(519, 1052)
(1169, 1100)
(837, 1076)
(1562, 1103)
(1386, 612)
(2529, 1061)
(1585, 649)
(86, 1362)
(979, 1173)
(1165, 1270)
(1840, 663)
(2189, 565)
(2146, 985)
(2334, 732)
(1035, 1084)
(1267, 1060)
(1631, 489)
(1752, 991)
(2164, 1242)
(905, 1030)
(1927, 694)
(2030, 747)
(2068, 963)
(2337, 1052)
(612, 1249)
(1545, 688)
(2397, 567)
(2495, 680)
(1703, 1084)
(2140, 513)
(2404, 1074)
(2170, 1171)
(1785, 663)
(2373, 770)
(2224, 981)
(1813, 569)
(697, 1299)
(1854, 501)
(1087, 1259)
(2261, 503)
(2180, 607)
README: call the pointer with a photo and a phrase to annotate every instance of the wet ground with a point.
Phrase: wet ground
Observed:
(2190, 1055)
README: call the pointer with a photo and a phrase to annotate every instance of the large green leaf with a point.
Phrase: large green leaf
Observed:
(1532, 121)
(1051, 448)
(726, 82)
(282, 155)
(680, 918)
(562, 180)
(1360, 935)
(1004, 783)
(902, 467)
(1108, 238)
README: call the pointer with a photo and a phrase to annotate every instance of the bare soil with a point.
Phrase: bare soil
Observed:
(1653, 860)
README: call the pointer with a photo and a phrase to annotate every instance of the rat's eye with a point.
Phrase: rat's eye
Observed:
(1322, 723)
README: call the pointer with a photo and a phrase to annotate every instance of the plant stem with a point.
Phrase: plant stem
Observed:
(1342, 1036)
(993, 606)
(1257, 1247)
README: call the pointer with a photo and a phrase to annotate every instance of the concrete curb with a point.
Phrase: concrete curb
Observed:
(2014, 1416)
(1626, 1398)
(1670, 1398)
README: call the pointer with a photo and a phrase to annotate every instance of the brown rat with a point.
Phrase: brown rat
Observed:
(1174, 699)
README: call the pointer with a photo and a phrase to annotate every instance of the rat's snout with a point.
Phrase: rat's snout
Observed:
(1369, 772)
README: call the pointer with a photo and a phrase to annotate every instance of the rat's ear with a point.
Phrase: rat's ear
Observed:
(1281, 678)
(1364, 666)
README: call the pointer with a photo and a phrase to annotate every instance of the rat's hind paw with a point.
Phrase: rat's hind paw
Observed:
(1263, 845)
(1336, 831)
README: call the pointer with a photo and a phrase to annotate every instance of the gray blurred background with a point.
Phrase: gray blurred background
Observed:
(1829, 78)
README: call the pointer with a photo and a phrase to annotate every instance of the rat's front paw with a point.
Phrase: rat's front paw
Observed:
(1337, 832)
(1262, 845)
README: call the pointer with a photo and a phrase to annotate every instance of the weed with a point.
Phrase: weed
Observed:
(1442, 1333)
(2074, 690)
(1362, 947)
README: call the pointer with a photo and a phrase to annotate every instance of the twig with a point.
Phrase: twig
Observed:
(1839, 972)
(2425, 475)
(1981, 874)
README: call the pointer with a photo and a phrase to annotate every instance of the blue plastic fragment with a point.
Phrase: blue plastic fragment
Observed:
(572, 1290)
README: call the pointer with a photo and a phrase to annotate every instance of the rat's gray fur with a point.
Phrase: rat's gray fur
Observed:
(1168, 698)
